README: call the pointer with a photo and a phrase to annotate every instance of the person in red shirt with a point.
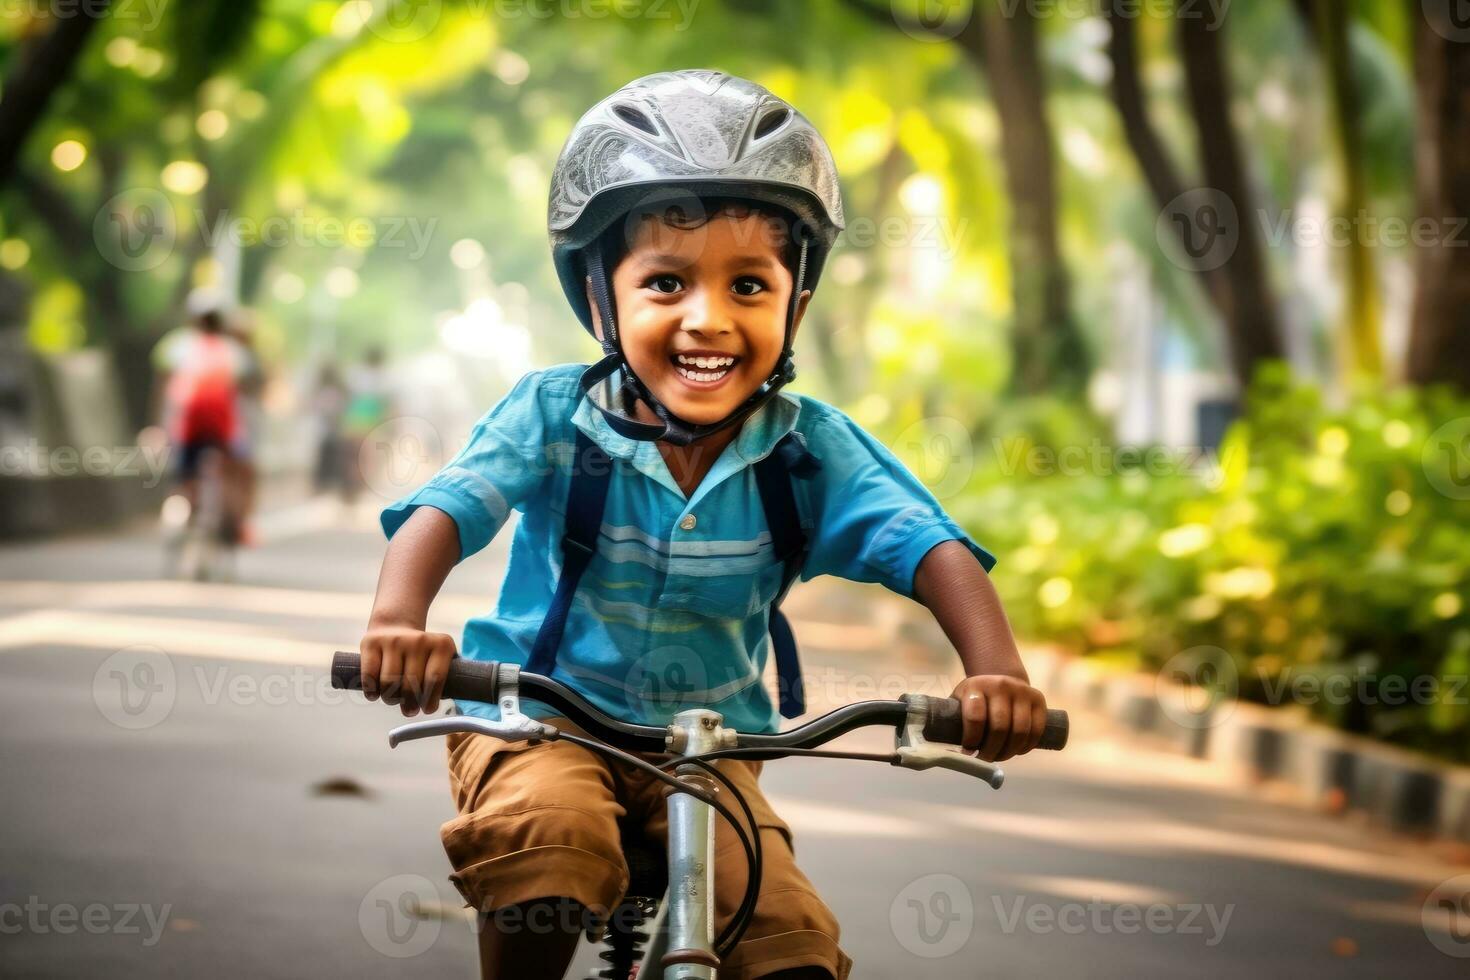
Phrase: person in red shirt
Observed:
(204, 367)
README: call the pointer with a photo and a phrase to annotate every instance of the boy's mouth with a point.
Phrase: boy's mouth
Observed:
(704, 369)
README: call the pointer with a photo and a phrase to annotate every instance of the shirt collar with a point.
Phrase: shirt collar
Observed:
(758, 436)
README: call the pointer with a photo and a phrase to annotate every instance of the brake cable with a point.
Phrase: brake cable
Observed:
(752, 859)
(759, 754)
(738, 924)
(740, 921)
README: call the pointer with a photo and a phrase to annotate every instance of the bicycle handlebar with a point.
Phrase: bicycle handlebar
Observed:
(479, 680)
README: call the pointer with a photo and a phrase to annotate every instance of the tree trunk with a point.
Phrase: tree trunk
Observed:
(101, 282)
(1440, 335)
(1048, 352)
(1245, 296)
(43, 66)
(1234, 281)
(1329, 23)
(1158, 169)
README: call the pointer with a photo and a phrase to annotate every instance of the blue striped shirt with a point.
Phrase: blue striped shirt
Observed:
(674, 609)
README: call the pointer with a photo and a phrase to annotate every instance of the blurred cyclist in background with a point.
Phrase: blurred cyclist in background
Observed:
(328, 407)
(369, 405)
(202, 368)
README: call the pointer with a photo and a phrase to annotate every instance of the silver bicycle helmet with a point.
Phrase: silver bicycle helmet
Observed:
(667, 138)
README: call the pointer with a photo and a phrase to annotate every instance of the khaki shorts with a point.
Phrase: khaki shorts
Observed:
(541, 821)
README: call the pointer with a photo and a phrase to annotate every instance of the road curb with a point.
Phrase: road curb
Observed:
(1332, 770)
(1455, 806)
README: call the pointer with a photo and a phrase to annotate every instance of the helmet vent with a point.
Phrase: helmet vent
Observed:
(771, 122)
(636, 118)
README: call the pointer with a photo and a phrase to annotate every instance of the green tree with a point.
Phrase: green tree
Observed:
(1238, 287)
(1003, 42)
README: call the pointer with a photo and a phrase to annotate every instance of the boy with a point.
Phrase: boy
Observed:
(691, 214)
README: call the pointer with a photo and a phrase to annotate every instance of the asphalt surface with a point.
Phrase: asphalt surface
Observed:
(183, 795)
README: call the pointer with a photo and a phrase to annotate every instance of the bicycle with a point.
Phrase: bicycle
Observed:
(199, 536)
(681, 939)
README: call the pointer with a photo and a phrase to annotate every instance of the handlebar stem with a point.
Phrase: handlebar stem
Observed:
(690, 905)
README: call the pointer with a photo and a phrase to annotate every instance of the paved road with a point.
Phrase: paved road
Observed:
(165, 810)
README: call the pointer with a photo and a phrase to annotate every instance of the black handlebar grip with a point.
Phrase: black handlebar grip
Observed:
(945, 724)
(1058, 727)
(467, 680)
(346, 671)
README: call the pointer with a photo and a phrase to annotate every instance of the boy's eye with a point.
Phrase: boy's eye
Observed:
(664, 284)
(748, 286)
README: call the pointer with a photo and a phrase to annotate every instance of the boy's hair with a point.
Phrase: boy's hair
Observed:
(780, 223)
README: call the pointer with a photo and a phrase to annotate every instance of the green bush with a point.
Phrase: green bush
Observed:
(1317, 549)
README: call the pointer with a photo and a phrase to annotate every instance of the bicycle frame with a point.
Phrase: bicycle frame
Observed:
(682, 937)
(193, 547)
(683, 931)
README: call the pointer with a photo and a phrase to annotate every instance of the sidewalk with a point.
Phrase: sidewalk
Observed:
(864, 641)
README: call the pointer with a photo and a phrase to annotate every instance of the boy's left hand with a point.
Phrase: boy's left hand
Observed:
(1004, 716)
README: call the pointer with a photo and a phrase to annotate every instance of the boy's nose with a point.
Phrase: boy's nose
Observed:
(707, 314)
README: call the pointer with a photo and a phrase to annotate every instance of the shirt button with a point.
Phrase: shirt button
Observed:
(688, 522)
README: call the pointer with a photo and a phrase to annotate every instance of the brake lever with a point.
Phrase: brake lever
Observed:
(914, 751)
(511, 730)
(513, 725)
(927, 757)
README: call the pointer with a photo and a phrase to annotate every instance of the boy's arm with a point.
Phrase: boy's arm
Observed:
(1003, 714)
(400, 659)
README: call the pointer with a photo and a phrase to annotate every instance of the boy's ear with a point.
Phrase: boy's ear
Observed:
(801, 305)
(592, 305)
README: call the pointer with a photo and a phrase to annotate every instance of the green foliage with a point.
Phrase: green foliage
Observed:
(206, 34)
(1324, 549)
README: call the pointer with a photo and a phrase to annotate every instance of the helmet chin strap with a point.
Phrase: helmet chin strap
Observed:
(616, 406)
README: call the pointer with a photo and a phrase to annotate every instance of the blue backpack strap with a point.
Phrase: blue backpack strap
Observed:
(773, 477)
(586, 499)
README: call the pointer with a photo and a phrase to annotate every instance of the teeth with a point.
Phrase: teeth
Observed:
(705, 362)
(702, 375)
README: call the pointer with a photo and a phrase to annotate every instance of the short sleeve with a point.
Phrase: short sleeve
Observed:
(873, 520)
(503, 465)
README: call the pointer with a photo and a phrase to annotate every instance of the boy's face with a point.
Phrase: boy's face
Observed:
(702, 311)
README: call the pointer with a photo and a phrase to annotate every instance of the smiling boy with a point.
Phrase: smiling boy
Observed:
(691, 215)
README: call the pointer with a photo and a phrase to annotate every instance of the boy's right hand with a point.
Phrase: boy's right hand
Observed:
(406, 667)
